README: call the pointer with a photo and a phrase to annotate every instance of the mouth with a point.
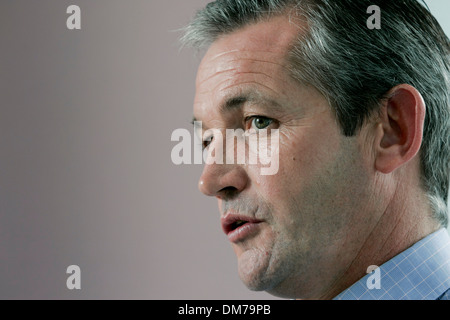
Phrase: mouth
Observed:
(238, 227)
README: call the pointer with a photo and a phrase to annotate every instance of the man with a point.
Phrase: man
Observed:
(363, 118)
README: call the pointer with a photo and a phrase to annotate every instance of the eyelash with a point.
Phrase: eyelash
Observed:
(207, 141)
(252, 118)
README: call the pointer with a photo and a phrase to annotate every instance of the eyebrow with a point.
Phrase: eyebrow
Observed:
(231, 103)
(238, 101)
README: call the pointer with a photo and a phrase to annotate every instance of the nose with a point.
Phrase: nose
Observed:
(223, 181)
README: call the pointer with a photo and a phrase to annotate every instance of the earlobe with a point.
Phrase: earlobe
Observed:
(401, 128)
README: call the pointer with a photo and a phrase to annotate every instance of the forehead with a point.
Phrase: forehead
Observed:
(271, 38)
(254, 54)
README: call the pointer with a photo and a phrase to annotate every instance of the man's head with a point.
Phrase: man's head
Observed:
(364, 127)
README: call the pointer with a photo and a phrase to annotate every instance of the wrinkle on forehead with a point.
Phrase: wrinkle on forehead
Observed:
(237, 63)
(242, 67)
(239, 73)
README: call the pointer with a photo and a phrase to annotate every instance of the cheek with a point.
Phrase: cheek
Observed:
(300, 160)
(305, 160)
(304, 153)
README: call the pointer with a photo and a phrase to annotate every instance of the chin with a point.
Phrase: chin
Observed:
(262, 281)
(255, 270)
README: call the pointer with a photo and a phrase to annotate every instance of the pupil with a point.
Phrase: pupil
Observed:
(261, 123)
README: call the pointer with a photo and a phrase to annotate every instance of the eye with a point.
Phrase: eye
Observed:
(260, 123)
(207, 142)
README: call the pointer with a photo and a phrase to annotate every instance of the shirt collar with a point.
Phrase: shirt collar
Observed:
(420, 272)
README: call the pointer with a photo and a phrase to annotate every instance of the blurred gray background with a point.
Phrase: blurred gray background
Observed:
(86, 176)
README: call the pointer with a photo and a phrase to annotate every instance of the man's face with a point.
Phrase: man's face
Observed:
(300, 235)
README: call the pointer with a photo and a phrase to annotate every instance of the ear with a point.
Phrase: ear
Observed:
(399, 135)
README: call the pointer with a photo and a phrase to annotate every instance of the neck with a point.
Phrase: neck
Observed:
(405, 220)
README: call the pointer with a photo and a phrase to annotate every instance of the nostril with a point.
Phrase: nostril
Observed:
(228, 193)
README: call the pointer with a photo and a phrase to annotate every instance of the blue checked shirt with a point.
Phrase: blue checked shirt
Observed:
(421, 272)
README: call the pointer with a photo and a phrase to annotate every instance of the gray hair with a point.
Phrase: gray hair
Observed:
(354, 67)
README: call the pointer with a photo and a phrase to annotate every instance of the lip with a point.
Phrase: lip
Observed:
(237, 232)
